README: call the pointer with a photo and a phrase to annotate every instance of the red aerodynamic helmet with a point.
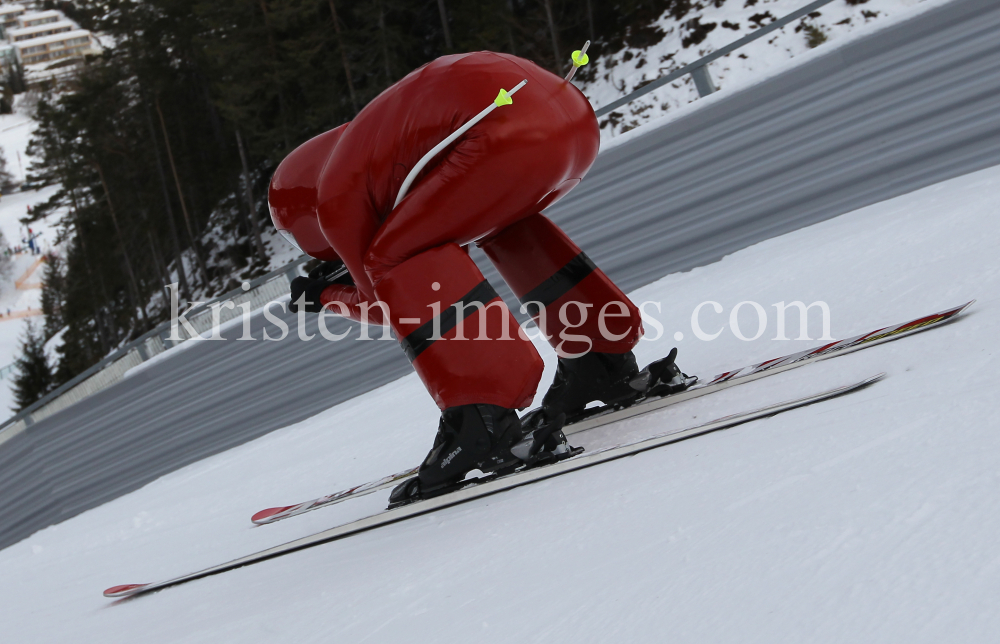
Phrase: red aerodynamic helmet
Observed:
(291, 197)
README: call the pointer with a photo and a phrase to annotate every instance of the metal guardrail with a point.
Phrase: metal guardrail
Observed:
(271, 286)
(699, 70)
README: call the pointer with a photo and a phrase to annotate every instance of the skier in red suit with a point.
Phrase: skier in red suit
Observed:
(406, 265)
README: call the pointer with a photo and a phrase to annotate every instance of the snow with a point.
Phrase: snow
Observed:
(621, 72)
(15, 131)
(36, 15)
(11, 8)
(871, 517)
(52, 345)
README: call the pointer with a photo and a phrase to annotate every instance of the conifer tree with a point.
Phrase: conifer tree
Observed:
(6, 257)
(6, 178)
(34, 375)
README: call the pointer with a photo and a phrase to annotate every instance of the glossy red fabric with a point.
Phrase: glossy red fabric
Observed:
(534, 249)
(292, 194)
(515, 162)
(484, 358)
(336, 194)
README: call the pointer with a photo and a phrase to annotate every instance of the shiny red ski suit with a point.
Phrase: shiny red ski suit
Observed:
(335, 194)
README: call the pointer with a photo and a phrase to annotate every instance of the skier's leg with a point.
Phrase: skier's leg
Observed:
(469, 352)
(588, 320)
(457, 332)
(416, 264)
(467, 196)
(574, 303)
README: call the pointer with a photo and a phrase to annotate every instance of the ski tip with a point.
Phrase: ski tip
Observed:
(265, 516)
(958, 310)
(124, 590)
(875, 378)
(861, 384)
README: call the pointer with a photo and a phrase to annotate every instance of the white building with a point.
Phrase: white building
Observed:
(9, 13)
(46, 29)
(36, 18)
(41, 38)
(48, 48)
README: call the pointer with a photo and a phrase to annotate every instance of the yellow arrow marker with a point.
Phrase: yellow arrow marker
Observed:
(503, 98)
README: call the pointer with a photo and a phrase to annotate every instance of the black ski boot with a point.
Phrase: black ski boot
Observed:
(613, 379)
(469, 437)
(605, 377)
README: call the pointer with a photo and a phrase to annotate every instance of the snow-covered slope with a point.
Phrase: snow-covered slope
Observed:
(24, 303)
(867, 518)
(692, 30)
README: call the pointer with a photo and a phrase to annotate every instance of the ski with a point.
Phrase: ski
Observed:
(604, 415)
(478, 488)
(271, 515)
